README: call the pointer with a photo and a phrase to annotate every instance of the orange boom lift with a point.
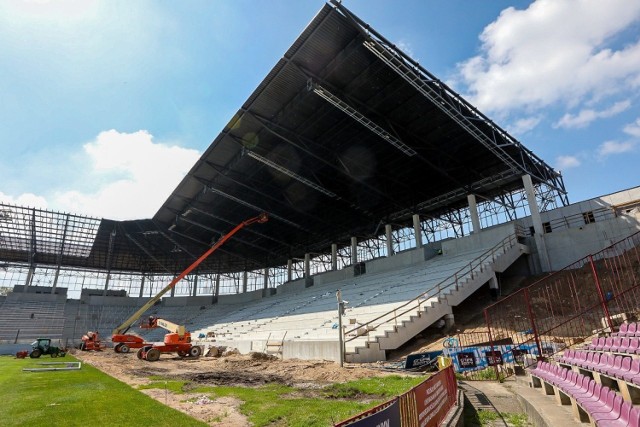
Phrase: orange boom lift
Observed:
(125, 342)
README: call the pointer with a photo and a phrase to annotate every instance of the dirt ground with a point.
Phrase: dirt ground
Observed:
(234, 370)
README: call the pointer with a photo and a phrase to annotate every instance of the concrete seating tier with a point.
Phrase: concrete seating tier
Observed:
(25, 319)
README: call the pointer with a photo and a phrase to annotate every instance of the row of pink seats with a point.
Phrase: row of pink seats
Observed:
(615, 344)
(628, 330)
(604, 405)
(616, 366)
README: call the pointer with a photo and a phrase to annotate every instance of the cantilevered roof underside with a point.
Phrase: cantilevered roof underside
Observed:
(345, 133)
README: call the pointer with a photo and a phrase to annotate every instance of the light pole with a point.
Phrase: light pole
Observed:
(340, 336)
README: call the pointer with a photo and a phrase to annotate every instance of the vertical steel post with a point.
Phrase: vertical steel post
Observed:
(536, 337)
(605, 307)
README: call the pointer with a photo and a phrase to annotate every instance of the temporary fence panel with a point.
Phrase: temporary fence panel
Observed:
(589, 297)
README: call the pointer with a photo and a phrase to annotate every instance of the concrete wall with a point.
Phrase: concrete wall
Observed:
(122, 301)
(240, 298)
(311, 350)
(566, 246)
(187, 301)
(487, 238)
(616, 216)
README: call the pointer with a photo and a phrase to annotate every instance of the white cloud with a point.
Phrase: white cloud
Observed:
(566, 162)
(553, 51)
(130, 176)
(633, 129)
(584, 117)
(613, 147)
(26, 199)
(406, 48)
(524, 125)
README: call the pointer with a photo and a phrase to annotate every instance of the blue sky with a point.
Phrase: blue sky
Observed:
(107, 104)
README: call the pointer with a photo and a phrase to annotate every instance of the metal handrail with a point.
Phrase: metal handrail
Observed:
(511, 240)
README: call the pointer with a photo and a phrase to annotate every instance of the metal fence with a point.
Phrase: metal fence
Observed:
(592, 296)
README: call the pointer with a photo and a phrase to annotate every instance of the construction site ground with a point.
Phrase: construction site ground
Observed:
(233, 370)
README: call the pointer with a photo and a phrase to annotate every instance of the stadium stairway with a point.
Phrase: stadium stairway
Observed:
(404, 322)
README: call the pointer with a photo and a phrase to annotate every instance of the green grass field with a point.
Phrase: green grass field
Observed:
(89, 397)
(76, 398)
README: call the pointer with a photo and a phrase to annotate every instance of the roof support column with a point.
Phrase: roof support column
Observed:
(354, 250)
(334, 256)
(195, 285)
(389, 234)
(266, 277)
(307, 265)
(417, 230)
(543, 256)
(289, 269)
(245, 279)
(144, 276)
(473, 212)
(216, 291)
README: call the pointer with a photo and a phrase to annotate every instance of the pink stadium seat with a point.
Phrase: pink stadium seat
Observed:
(601, 343)
(623, 419)
(595, 361)
(624, 368)
(597, 389)
(616, 344)
(624, 345)
(632, 329)
(622, 332)
(608, 343)
(614, 366)
(612, 411)
(588, 393)
(634, 417)
(605, 362)
(634, 371)
(602, 403)
(594, 344)
(634, 346)
(582, 357)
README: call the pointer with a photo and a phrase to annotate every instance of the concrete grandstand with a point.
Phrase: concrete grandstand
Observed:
(380, 182)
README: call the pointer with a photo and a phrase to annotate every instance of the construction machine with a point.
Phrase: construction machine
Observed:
(178, 340)
(43, 346)
(91, 342)
(125, 342)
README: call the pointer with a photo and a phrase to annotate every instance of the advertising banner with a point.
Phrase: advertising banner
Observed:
(432, 399)
(388, 416)
(415, 361)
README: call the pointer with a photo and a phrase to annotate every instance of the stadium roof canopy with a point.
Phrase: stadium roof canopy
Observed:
(344, 134)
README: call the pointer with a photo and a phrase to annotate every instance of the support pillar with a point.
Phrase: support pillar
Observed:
(307, 265)
(536, 219)
(216, 292)
(388, 231)
(473, 212)
(334, 256)
(142, 285)
(449, 321)
(195, 285)
(245, 279)
(494, 287)
(106, 284)
(266, 278)
(354, 250)
(289, 270)
(417, 230)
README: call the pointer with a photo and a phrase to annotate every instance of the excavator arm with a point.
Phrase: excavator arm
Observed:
(124, 327)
